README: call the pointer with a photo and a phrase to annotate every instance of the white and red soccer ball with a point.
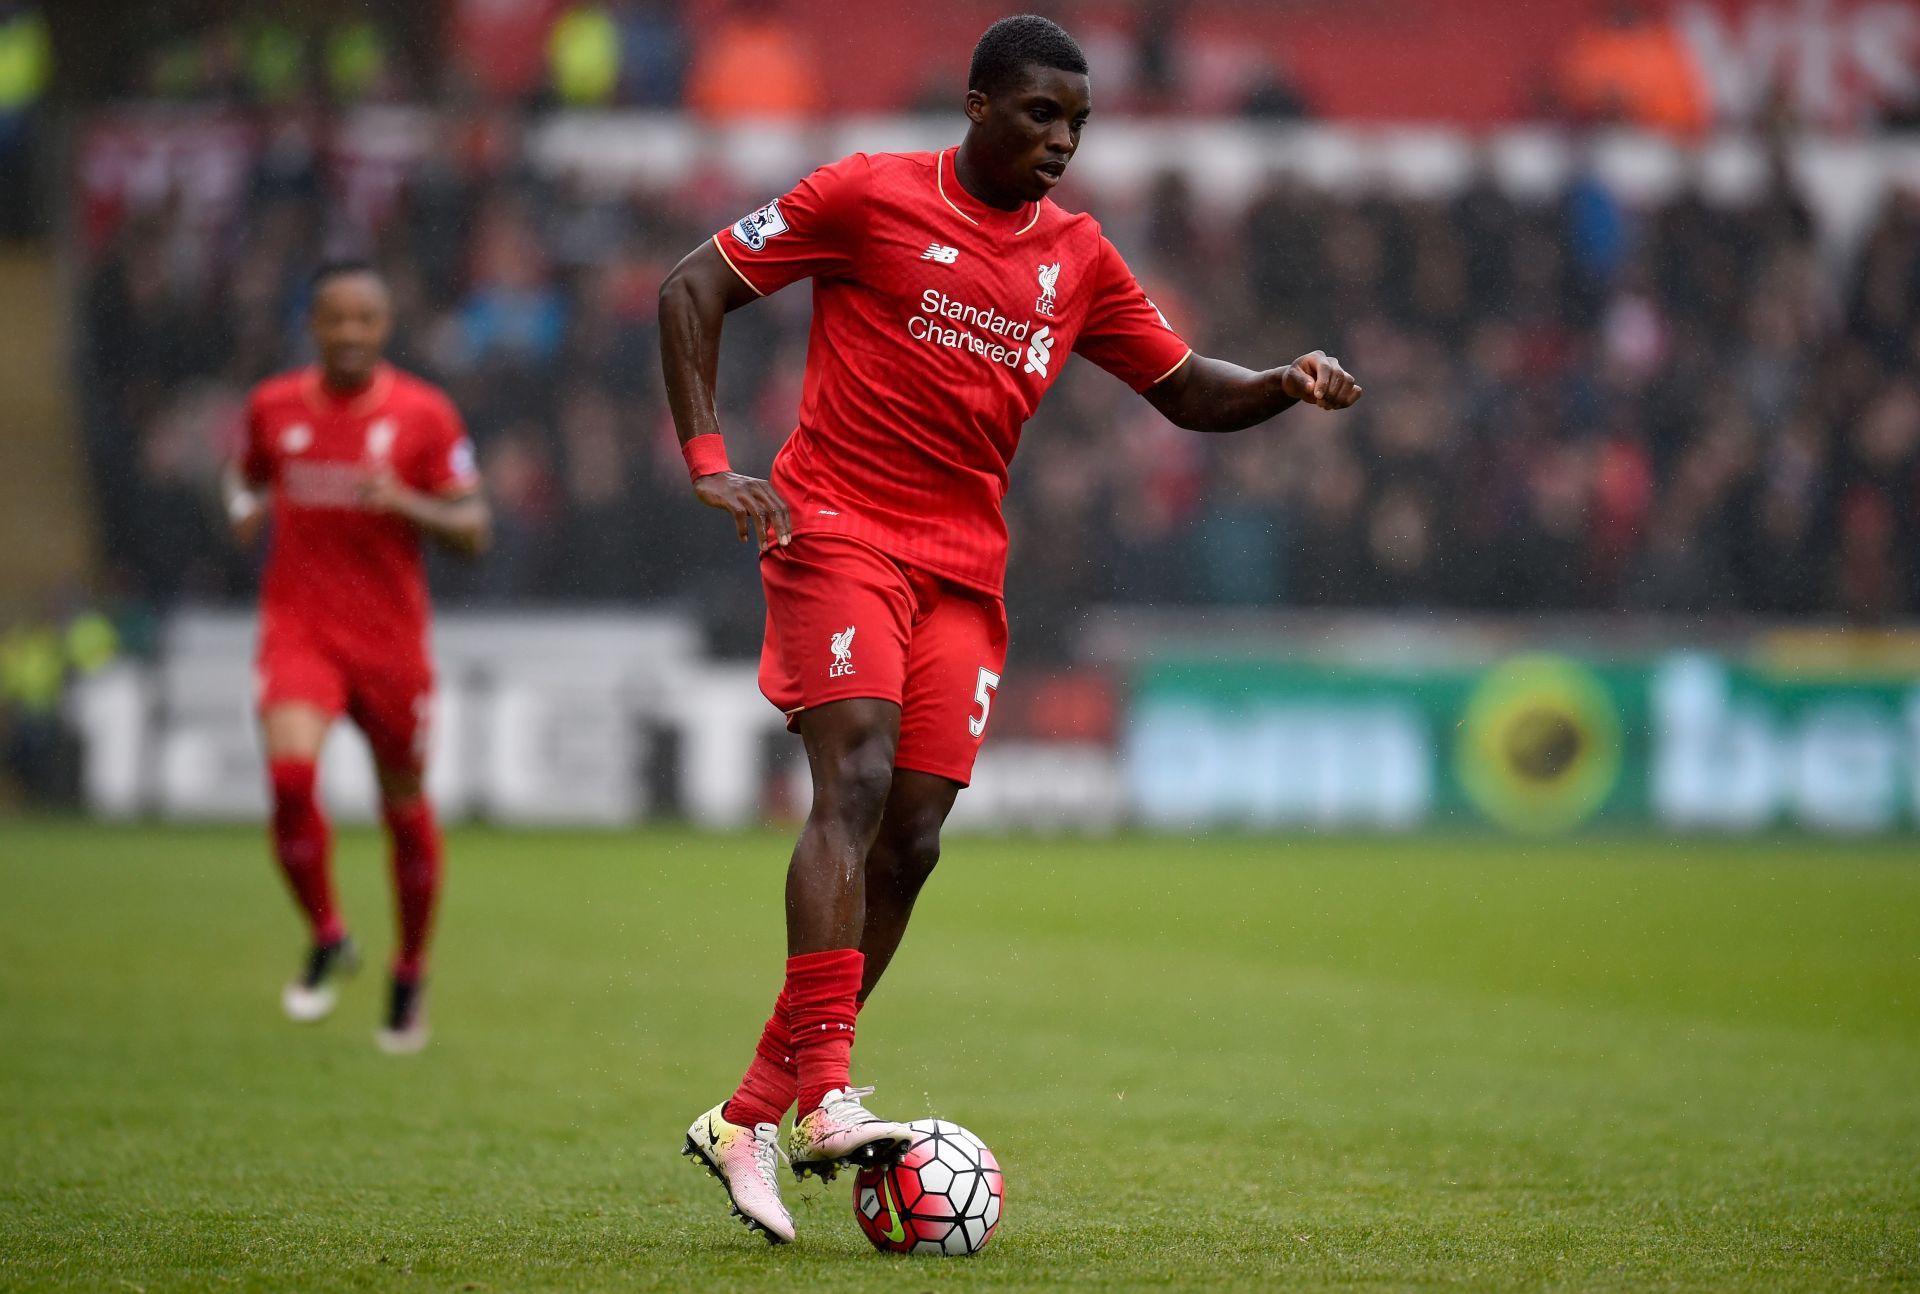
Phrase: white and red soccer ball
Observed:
(942, 1197)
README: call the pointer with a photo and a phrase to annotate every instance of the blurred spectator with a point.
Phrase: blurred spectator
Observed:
(1273, 96)
(753, 63)
(39, 750)
(631, 52)
(1632, 67)
(26, 68)
(584, 51)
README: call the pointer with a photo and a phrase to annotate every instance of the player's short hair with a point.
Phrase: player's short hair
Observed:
(339, 268)
(1012, 45)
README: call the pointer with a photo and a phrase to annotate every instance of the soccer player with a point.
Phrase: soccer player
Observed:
(947, 294)
(354, 461)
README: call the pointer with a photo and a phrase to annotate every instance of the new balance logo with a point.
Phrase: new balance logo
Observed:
(944, 255)
(1040, 351)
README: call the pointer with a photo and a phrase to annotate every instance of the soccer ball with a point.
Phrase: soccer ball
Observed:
(942, 1197)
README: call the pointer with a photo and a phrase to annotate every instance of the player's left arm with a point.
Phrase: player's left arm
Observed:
(440, 489)
(1126, 334)
(463, 521)
(1206, 394)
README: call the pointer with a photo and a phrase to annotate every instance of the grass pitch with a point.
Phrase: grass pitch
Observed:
(1229, 1062)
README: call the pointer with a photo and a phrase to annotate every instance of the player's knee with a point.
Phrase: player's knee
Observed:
(292, 781)
(400, 788)
(854, 789)
(916, 850)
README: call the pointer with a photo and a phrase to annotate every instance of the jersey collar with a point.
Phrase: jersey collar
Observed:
(367, 401)
(975, 212)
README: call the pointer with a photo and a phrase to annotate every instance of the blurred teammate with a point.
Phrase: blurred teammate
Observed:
(354, 461)
(948, 293)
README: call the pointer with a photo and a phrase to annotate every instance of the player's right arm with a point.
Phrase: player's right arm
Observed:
(246, 505)
(244, 482)
(813, 230)
(693, 302)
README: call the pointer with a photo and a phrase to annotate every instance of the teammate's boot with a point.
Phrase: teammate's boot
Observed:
(405, 1031)
(743, 1161)
(314, 995)
(842, 1132)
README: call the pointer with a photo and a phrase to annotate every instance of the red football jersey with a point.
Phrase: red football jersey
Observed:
(344, 578)
(938, 323)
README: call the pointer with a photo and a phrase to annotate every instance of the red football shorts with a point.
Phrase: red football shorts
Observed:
(845, 620)
(390, 701)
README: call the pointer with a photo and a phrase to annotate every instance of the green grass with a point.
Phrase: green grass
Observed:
(1618, 1065)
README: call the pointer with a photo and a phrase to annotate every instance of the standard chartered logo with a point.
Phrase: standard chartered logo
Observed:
(1040, 351)
(982, 331)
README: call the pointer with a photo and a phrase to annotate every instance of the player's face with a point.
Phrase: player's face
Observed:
(1031, 133)
(351, 319)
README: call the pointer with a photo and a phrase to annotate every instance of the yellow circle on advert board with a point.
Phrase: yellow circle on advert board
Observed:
(1539, 747)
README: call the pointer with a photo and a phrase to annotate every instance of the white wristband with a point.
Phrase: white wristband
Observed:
(242, 506)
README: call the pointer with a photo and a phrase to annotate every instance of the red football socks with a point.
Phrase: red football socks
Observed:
(301, 843)
(771, 1083)
(416, 881)
(768, 1086)
(821, 994)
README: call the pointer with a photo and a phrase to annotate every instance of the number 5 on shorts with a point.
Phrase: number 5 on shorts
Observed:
(983, 697)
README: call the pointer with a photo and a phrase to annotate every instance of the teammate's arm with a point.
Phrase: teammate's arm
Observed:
(463, 522)
(1207, 394)
(245, 503)
(693, 303)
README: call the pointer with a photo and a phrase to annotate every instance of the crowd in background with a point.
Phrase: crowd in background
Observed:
(1570, 405)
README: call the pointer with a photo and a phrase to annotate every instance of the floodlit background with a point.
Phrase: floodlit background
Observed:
(1625, 530)
(1591, 633)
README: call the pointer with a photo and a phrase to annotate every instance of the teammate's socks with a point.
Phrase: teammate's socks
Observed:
(302, 844)
(416, 881)
(821, 994)
(770, 1082)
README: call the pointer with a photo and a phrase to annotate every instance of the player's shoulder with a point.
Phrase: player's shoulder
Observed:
(411, 391)
(899, 171)
(281, 391)
(1078, 228)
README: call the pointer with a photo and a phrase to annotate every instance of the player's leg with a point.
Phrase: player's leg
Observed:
(898, 864)
(902, 858)
(953, 670)
(300, 693)
(393, 709)
(850, 751)
(849, 747)
(839, 614)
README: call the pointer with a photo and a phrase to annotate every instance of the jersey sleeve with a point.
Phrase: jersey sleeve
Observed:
(1125, 332)
(256, 454)
(443, 460)
(812, 231)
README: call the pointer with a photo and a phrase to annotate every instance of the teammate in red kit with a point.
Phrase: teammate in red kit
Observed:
(948, 293)
(353, 461)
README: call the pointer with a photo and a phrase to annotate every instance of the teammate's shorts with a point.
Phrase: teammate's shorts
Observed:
(390, 701)
(844, 620)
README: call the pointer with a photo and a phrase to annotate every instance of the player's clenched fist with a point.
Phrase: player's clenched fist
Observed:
(755, 507)
(1317, 378)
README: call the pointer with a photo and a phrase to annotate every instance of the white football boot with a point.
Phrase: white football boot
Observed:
(405, 1032)
(743, 1161)
(843, 1132)
(313, 996)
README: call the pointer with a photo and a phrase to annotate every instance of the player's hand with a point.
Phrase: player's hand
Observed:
(1317, 378)
(381, 491)
(247, 516)
(756, 509)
